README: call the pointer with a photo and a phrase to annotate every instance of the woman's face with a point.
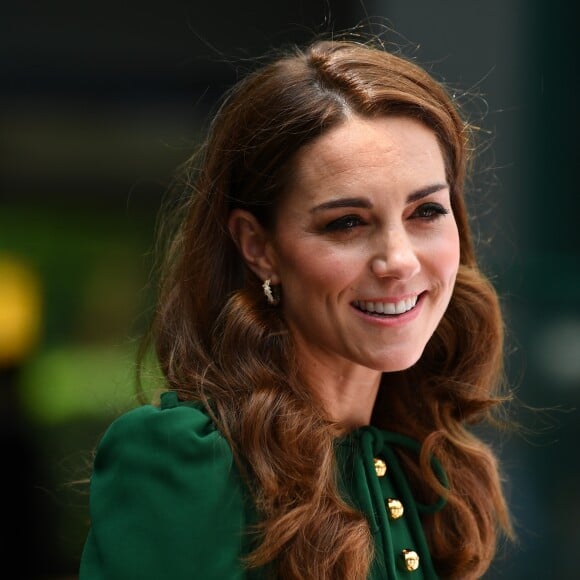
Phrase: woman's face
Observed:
(365, 245)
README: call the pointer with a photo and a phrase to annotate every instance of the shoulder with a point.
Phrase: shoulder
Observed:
(174, 441)
(166, 499)
(171, 416)
(164, 444)
(172, 427)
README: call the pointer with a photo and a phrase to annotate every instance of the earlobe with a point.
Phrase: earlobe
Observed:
(253, 242)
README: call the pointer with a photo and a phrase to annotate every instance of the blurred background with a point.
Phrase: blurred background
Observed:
(101, 101)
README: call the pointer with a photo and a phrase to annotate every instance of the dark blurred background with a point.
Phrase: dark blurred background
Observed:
(101, 101)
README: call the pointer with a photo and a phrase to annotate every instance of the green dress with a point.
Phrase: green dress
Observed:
(167, 502)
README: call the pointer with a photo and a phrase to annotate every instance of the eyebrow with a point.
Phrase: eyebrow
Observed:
(425, 191)
(363, 202)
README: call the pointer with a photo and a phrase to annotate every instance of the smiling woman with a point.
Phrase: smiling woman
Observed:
(326, 338)
(365, 250)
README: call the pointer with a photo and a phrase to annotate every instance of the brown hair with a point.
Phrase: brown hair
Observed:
(219, 342)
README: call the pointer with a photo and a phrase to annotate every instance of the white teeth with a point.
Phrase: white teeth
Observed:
(387, 307)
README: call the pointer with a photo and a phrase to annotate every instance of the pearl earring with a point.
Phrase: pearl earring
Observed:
(267, 287)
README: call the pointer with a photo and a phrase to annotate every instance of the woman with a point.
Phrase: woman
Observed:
(326, 338)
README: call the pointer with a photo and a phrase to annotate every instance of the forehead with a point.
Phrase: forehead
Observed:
(393, 149)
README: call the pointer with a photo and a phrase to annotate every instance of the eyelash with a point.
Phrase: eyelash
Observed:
(430, 211)
(347, 222)
(426, 212)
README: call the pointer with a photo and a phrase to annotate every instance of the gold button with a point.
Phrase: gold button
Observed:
(380, 467)
(396, 509)
(410, 560)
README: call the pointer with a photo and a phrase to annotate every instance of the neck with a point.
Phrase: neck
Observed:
(347, 391)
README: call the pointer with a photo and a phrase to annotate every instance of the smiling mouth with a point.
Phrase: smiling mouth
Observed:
(386, 309)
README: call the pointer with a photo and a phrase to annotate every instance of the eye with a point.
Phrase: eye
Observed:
(347, 222)
(430, 211)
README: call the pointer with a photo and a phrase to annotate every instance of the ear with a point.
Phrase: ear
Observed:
(254, 245)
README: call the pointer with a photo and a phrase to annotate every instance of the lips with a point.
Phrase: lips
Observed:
(381, 308)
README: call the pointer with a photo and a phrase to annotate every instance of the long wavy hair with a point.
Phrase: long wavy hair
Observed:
(219, 342)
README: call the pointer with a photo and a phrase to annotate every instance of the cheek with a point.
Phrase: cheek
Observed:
(312, 267)
(450, 257)
(443, 256)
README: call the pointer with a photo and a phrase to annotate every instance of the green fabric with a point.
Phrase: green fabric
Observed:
(167, 502)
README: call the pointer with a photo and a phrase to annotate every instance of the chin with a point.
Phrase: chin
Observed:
(399, 363)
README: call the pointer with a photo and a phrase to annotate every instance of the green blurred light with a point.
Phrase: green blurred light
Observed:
(72, 382)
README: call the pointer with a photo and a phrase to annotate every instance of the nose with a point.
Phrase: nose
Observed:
(396, 257)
